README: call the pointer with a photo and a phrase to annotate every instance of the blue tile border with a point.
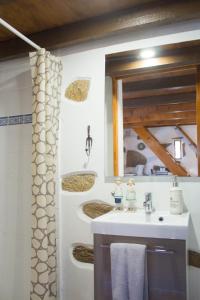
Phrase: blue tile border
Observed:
(27, 118)
(3, 121)
(16, 120)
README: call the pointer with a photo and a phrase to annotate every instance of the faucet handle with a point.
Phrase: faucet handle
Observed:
(148, 203)
(147, 197)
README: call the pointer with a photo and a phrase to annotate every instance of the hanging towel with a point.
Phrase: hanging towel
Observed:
(129, 272)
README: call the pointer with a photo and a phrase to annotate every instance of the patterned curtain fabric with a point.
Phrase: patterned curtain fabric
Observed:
(46, 82)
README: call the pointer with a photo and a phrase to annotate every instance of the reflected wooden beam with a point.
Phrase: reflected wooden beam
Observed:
(160, 82)
(152, 75)
(198, 115)
(161, 123)
(160, 151)
(187, 136)
(145, 110)
(115, 126)
(167, 114)
(164, 99)
(158, 92)
(148, 118)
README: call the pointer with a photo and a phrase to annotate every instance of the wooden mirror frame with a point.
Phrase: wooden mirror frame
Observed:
(174, 58)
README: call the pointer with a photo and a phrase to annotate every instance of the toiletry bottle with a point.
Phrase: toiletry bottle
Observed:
(176, 198)
(130, 196)
(118, 194)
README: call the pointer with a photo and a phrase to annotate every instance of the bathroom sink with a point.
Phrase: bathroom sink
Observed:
(159, 224)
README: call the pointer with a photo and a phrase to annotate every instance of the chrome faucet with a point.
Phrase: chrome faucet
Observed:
(148, 205)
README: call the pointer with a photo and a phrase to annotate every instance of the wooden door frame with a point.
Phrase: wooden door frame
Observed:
(115, 126)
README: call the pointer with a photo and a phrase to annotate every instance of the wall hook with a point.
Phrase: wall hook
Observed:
(89, 140)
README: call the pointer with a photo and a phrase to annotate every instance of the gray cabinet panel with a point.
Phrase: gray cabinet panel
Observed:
(166, 271)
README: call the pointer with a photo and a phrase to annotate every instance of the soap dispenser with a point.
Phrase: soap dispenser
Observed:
(130, 196)
(118, 194)
(176, 198)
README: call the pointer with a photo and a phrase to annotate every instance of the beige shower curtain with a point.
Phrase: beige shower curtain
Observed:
(46, 84)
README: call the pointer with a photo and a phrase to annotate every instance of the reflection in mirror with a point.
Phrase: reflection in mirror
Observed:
(152, 109)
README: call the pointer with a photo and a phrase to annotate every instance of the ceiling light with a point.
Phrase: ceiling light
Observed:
(147, 53)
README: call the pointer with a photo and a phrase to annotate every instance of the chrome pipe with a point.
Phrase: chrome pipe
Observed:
(158, 250)
(19, 34)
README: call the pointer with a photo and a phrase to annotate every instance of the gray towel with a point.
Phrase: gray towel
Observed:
(128, 272)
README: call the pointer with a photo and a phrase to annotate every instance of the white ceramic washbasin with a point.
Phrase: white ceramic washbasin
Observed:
(159, 224)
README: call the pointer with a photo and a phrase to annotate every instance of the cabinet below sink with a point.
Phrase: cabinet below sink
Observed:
(165, 237)
(166, 264)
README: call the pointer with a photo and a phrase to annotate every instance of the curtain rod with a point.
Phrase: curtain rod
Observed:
(19, 34)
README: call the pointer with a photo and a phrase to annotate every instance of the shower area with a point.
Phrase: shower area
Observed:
(16, 181)
(29, 120)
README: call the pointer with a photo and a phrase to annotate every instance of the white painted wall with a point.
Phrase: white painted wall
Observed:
(76, 280)
(15, 182)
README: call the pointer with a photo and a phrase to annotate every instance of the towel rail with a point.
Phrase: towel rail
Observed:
(158, 250)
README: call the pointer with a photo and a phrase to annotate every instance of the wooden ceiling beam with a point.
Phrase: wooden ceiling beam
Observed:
(160, 108)
(31, 16)
(164, 99)
(168, 57)
(160, 151)
(162, 123)
(154, 75)
(158, 92)
(150, 15)
(186, 135)
(154, 115)
(160, 117)
(160, 82)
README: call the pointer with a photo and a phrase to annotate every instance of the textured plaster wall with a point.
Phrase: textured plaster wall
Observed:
(74, 227)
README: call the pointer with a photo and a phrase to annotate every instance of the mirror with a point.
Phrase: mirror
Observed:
(152, 111)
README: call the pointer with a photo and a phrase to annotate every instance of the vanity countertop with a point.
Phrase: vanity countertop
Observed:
(159, 224)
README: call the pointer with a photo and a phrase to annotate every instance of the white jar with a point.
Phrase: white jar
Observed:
(176, 201)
